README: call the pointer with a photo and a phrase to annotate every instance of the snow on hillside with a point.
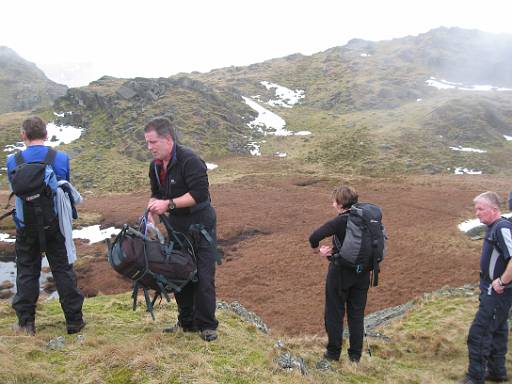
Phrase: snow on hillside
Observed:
(57, 135)
(444, 84)
(285, 97)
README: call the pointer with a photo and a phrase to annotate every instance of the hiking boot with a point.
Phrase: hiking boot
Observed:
(496, 378)
(29, 328)
(354, 359)
(330, 357)
(178, 328)
(466, 380)
(208, 334)
(75, 327)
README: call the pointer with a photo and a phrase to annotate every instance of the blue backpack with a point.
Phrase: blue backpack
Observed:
(35, 185)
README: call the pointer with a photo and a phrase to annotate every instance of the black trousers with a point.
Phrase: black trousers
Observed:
(28, 266)
(345, 287)
(488, 336)
(197, 301)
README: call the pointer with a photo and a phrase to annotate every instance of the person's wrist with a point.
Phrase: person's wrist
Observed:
(171, 205)
(500, 281)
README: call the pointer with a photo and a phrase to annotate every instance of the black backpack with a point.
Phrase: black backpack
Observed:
(152, 265)
(35, 185)
(364, 245)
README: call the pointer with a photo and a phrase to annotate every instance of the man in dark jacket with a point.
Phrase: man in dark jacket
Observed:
(179, 188)
(28, 243)
(343, 286)
(488, 334)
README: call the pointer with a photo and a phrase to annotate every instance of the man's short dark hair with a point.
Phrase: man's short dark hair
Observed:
(162, 126)
(34, 128)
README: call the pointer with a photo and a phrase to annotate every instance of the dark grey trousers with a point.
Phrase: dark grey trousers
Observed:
(488, 336)
(197, 301)
(345, 287)
(28, 265)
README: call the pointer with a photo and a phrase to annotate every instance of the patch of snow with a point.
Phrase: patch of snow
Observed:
(462, 149)
(267, 120)
(418, 100)
(6, 238)
(468, 225)
(285, 97)
(254, 148)
(365, 55)
(8, 272)
(444, 84)
(62, 114)
(281, 154)
(302, 133)
(94, 234)
(461, 171)
(57, 135)
(211, 166)
(508, 138)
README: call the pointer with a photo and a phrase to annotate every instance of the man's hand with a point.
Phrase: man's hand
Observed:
(498, 288)
(158, 207)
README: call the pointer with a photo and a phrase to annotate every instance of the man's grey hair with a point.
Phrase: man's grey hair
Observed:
(162, 126)
(490, 197)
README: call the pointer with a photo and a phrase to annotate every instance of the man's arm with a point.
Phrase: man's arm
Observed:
(504, 239)
(159, 207)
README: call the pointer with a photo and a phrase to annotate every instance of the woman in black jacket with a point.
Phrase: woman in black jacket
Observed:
(343, 286)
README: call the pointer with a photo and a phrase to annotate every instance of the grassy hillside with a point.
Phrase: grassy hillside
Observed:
(120, 346)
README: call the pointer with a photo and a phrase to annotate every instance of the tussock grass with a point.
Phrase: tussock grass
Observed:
(118, 345)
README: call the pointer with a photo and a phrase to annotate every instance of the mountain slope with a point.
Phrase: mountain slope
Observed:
(433, 103)
(23, 86)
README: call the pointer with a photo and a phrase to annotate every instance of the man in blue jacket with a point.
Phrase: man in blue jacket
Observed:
(179, 188)
(29, 248)
(488, 334)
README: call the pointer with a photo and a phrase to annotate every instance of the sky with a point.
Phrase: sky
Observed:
(75, 42)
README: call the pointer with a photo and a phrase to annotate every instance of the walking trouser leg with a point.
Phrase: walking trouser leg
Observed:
(334, 312)
(205, 296)
(496, 361)
(28, 270)
(356, 303)
(70, 296)
(480, 336)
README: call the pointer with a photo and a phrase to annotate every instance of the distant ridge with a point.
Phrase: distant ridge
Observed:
(23, 86)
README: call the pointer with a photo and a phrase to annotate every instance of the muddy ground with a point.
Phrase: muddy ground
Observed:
(264, 224)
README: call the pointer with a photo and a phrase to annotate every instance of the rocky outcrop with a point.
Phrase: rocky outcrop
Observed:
(23, 86)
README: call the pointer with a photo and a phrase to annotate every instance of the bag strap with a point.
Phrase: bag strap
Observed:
(202, 230)
(19, 158)
(50, 156)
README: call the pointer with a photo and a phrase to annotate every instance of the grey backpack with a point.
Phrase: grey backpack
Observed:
(364, 245)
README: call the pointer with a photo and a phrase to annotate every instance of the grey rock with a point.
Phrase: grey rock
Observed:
(246, 315)
(290, 362)
(57, 343)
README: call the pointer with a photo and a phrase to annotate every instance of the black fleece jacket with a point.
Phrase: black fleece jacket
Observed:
(186, 172)
(337, 226)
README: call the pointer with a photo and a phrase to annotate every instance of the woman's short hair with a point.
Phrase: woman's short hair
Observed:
(162, 126)
(345, 196)
(34, 128)
(490, 197)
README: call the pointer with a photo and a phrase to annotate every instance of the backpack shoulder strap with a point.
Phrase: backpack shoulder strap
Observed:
(19, 158)
(50, 156)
